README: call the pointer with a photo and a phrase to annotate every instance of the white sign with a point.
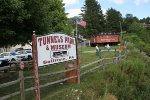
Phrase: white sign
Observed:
(55, 48)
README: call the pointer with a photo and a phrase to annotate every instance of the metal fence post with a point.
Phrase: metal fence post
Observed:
(22, 92)
(119, 56)
(115, 53)
(125, 52)
(78, 69)
(103, 63)
(114, 60)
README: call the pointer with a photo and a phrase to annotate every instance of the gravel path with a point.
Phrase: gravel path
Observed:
(93, 51)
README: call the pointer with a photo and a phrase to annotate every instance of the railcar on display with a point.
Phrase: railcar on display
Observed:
(105, 38)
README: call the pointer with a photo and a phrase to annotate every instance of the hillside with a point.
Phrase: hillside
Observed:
(127, 81)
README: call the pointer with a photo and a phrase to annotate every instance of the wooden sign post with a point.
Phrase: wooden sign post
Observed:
(36, 78)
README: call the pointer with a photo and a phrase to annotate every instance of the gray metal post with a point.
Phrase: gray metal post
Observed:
(119, 55)
(114, 60)
(78, 59)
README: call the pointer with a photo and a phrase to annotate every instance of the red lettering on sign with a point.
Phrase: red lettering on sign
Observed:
(53, 60)
(69, 40)
(44, 40)
(59, 47)
(40, 40)
(50, 39)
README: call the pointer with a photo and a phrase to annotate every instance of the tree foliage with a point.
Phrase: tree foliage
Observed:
(141, 29)
(128, 20)
(12, 14)
(92, 14)
(113, 20)
(145, 20)
(136, 27)
(19, 18)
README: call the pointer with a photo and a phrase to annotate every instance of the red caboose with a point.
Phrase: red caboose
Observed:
(103, 39)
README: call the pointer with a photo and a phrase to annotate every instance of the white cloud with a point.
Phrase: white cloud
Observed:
(73, 12)
(104, 11)
(138, 2)
(118, 1)
(76, 12)
(99, 0)
(147, 1)
(70, 2)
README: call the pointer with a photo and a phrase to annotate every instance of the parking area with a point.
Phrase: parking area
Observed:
(11, 58)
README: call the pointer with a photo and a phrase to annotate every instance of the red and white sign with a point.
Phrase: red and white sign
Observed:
(55, 48)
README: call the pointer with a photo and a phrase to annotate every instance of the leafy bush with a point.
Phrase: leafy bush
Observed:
(140, 40)
(147, 49)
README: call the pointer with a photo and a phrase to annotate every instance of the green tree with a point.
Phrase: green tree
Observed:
(19, 18)
(136, 27)
(128, 20)
(113, 20)
(146, 21)
(12, 14)
(92, 14)
(140, 30)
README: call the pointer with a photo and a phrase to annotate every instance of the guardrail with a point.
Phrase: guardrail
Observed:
(22, 78)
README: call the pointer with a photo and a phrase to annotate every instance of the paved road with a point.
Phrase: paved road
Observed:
(93, 51)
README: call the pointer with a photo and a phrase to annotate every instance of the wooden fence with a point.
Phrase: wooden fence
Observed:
(21, 79)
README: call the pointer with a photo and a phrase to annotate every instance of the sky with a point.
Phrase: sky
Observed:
(139, 8)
